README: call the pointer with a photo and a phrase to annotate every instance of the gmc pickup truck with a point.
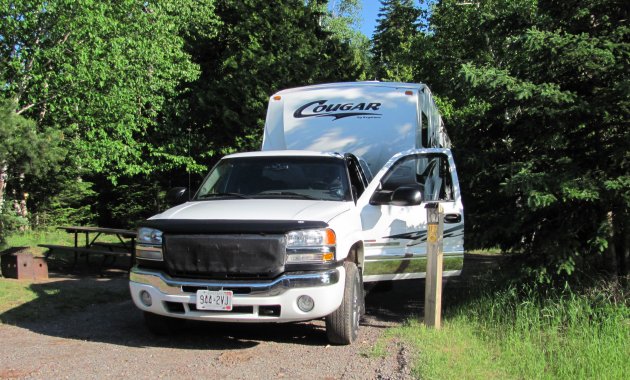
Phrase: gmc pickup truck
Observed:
(292, 232)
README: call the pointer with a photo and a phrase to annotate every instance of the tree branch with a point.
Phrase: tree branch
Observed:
(24, 109)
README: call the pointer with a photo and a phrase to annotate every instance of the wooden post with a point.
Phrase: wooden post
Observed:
(433, 281)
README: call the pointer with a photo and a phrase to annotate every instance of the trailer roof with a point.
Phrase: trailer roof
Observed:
(411, 86)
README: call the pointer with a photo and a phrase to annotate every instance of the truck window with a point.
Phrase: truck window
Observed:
(366, 171)
(319, 178)
(428, 173)
(357, 179)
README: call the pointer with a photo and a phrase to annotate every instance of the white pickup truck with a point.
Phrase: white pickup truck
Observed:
(292, 232)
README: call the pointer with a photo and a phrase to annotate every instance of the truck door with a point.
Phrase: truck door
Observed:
(393, 215)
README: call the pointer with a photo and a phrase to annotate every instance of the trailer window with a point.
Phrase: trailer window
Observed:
(424, 123)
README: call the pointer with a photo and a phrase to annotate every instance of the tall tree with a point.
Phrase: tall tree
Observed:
(342, 19)
(101, 72)
(105, 76)
(264, 46)
(396, 30)
(541, 109)
(23, 150)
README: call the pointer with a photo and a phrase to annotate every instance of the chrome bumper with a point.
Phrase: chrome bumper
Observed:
(178, 286)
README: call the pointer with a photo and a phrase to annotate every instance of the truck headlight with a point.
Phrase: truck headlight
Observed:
(149, 244)
(311, 246)
(149, 236)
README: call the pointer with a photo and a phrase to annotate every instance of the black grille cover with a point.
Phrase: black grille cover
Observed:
(225, 256)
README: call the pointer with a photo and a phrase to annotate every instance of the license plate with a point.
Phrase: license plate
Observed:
(214, 300)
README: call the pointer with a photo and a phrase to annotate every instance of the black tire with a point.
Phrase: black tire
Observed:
(342, 326)
(379, 287)
(162, 325)
(362, 296)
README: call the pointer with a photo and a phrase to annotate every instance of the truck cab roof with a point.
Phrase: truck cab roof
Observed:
(285, 153)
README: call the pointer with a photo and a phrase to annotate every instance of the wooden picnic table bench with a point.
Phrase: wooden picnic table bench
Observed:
(124, 247)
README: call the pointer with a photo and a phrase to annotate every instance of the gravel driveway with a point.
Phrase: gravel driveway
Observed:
(110, 341)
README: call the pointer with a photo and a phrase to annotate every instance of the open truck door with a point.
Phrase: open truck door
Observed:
(394, 219)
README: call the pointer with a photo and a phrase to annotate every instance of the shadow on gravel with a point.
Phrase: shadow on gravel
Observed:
(99, 309)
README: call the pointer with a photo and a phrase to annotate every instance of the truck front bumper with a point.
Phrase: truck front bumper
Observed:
(253, 301)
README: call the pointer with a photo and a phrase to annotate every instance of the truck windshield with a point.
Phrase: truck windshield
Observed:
(319, 178)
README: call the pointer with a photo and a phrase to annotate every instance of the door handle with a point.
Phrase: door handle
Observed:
(452, 218)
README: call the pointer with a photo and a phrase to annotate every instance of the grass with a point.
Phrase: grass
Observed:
(22, 300)
(489, 251)
(33, 238)
(50, 236)
(524, 333)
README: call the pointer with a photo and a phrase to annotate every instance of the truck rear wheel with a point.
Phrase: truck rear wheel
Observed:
(342, 326)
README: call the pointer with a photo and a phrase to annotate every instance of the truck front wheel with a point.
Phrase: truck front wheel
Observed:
(342, 326)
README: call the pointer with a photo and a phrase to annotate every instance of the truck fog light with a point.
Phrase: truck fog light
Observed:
(145, 298)
(305, 303)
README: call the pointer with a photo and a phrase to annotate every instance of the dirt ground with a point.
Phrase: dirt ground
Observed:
(110, 341)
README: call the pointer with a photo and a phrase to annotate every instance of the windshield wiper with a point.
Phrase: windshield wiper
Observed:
(213, 195)
(288, 194)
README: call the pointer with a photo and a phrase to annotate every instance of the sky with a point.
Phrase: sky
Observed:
(369, 13)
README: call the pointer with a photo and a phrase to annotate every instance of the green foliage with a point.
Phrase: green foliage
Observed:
(259, 51)
(341, 18)
(72, 206)
(539, 121)
(394, 40)
(342, 21)
(126, 204)
(139, 92)
(100, 72)
(534, 92)
(106, 78)
(24, 148)
(10, 223)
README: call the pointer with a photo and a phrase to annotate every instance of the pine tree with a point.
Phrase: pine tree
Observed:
(393, 41)
(24, 151)
(264, 46)
(541, 112)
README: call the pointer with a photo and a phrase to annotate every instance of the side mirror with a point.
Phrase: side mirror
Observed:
(177, 196)
(406, 196)
(381, 197)
(402, 196)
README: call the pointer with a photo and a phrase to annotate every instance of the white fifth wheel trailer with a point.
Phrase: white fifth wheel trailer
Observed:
(397, 129)
(292, 232)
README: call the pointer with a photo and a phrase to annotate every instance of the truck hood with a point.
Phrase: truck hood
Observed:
(257, 209)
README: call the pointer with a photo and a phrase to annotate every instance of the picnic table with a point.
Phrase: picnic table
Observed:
(124, 247)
